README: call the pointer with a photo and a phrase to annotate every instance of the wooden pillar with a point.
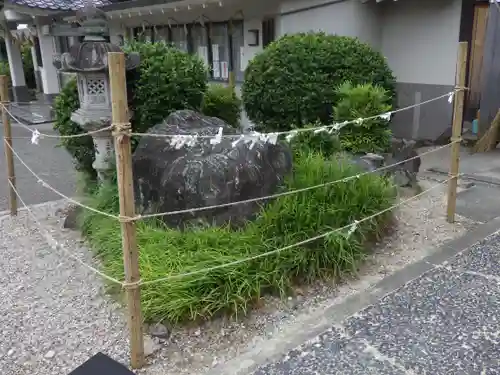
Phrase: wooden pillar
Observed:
(7, 138)
(490, 72)
(458, 111)
(121, 132)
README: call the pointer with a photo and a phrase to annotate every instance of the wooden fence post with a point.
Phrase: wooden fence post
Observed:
(7, 138)
(456, 132)
(121, 132)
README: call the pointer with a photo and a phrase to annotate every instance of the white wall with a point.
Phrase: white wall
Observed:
(342, 17)
(420, 39)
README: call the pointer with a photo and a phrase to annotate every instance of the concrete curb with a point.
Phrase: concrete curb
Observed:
(322, 320)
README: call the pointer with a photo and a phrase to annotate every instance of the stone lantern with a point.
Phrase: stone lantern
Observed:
(89, 60)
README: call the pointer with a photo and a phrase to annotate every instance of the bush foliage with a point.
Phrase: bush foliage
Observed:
(167, 80)
(363, 101)
(81, 148)
(222, 102)
(293, 81)
(309, 141)
(29, 68)
(4, 68)
(285, 221)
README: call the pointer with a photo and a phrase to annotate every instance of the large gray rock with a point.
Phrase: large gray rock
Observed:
(405, 172)
(170, 179)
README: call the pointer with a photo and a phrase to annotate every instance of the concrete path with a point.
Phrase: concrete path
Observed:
(481, 202)
(481, 167)
(36, 112)
(53, 164)
(437, 316)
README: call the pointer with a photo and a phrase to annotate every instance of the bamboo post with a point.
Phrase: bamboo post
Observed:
(7, 138)
(456, 132)
(121, 132)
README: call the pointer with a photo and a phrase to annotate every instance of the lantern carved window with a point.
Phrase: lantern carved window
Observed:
(93, 89)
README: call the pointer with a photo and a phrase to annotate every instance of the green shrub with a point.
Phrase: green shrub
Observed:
(4, 68)
(81, 148)
(167, 80)
(362, 101)
(222, 102)
(29, 68)
(287, 220)
(292, 82)
(309, 141)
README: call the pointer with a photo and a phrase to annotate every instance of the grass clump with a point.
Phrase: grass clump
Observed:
(281, 223)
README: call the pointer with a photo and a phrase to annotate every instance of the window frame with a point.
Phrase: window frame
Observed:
(230, 45)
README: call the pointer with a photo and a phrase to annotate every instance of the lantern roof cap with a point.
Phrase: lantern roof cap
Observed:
(91, 55)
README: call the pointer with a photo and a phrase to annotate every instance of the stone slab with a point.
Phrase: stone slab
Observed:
(479, 203)
(482, 259)
(32, 113)
(331, 353)
(442, 323)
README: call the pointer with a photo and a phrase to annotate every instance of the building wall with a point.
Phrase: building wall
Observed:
(418, 37)
(342, 17)
(420, 40)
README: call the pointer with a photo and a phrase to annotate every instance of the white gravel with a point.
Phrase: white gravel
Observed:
(55, 314)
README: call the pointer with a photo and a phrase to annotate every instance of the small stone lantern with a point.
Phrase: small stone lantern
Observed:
(89, 60)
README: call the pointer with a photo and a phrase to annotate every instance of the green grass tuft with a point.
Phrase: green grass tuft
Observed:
(285, 221)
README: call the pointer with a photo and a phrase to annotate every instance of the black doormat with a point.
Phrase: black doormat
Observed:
(101, 364)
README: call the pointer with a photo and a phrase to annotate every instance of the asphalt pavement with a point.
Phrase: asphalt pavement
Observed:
(53, 165)
(441, 316)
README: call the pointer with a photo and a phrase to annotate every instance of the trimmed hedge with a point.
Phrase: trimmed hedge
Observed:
(293, 81)
(363, 101)
(81, 148)
(222, 102)
(168, 80)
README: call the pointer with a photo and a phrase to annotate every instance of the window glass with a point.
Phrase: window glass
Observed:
(179, 37)
(199, 36)
(162, 34)
(220, 51)
(237, 45)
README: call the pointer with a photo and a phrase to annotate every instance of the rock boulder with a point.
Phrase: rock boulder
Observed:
(405, 173)
(168, 178)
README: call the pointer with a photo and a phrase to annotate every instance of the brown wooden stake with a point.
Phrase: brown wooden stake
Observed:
(7, 138)
(121, 132)
(456, 131)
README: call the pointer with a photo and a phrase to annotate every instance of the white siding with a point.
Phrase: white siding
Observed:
(420, 39)
(342, 17)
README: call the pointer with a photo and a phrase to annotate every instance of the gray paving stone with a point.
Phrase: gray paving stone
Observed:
(31, 114)
(479, 203)
(330, 353)
(482, 258)
(52, 163)
(442, 323)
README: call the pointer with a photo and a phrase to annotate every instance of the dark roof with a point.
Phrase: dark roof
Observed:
(74, 5)
(63, 5)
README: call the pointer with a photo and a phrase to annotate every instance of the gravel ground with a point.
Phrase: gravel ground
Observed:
(56, 315)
